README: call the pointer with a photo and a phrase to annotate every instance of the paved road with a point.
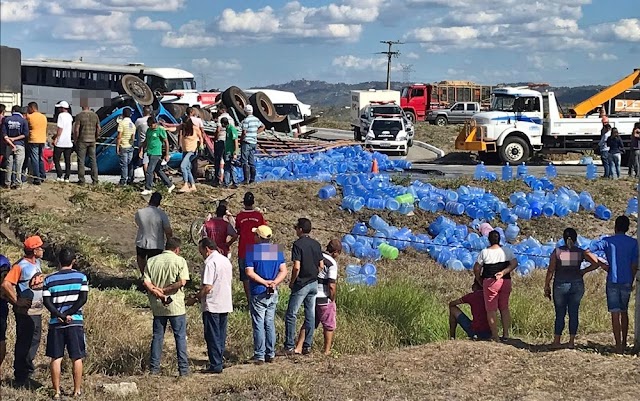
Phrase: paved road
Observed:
(423, 160)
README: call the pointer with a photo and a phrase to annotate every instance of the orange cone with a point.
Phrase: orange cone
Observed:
(374, 166)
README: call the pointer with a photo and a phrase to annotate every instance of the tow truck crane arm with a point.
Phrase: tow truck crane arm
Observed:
(605, 95)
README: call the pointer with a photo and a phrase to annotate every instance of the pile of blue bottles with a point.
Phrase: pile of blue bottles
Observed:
(361, 275)
(321, 166)
(481, 173)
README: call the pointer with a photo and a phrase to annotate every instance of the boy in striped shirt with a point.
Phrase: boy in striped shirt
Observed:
(65, 292)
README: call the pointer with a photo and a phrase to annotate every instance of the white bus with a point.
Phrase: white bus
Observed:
(50, 81)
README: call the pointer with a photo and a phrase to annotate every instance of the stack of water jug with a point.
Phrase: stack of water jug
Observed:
(361, 275)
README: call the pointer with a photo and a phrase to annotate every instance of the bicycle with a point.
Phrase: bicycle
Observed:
(196, 230)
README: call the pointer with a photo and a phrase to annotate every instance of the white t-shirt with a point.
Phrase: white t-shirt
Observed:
(65, 121)
(497, 255)
(218, 273)
(141, 128)
(223, 133)
(330, 272)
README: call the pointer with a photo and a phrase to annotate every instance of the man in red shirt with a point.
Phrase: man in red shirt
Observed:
(221, 231)
(478, 328)
(246, 221)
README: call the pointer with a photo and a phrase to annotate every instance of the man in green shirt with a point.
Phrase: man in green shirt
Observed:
(230, 153)
(164, 278)
(156, 145)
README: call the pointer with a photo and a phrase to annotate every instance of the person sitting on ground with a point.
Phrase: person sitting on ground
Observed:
(493, 268)
(621, 251)
(325, 298)
(476, 329)
(65, 293)
(568, 286)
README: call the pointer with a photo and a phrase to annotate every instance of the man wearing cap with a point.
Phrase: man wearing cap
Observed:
(153, 226)
(266, 268)
(307, 258)
(216, 302)
(246, 221)
(62, 141)
(251, 127)
(326, 297)
(15, 134)
(22, 287)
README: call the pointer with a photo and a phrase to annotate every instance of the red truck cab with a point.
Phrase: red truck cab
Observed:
(415, 100)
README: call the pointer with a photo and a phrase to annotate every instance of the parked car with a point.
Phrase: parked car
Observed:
(389, 134)
(457, 114)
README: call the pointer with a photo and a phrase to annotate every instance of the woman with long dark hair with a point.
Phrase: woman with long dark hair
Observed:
(616, 148)
(568, 285)
(190, 139)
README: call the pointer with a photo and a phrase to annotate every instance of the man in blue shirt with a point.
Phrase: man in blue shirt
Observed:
(15, 134)
(251, 127)
(622, 265)
(65, 292)
(265, 269)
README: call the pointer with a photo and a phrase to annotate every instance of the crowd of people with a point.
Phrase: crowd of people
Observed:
(140, 143)
(611, 149)
(492, 286)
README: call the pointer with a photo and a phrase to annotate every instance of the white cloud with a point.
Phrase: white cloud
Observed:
(17, 11)
(216, 65)
(112, 28)
(355, 63)
(128, 5)
(147, 24)
(545, 61)
(190, 35)
(602, 56)
(262, 21)
(627, 30)
(413, 55)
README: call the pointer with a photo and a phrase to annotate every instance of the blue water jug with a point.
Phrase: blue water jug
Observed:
(548, 209)
(480, 172)
(507, 172)
(352, 270)
(592, 171)
(632, 206)
(455, 264)
(359, 229)
(377, 223)
(454, 208)
(551, 171)
(522, 170)
(353, 203)
(602, 212)
(392, 204)
(511, 233)
(368, 269)
(327, 192)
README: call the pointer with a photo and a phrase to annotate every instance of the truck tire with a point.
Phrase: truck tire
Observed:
(137, 89)
(357, 135)
(410, 143)
(514, 150)
(411, 116)
(176, 110)
(236, 99)
(405, 152)
(264, 109)
(441, 121)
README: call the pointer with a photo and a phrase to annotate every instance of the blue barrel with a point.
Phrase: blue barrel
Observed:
(602, 212)
(327, 192)
(368, 269)
(454, 208)
(392, 204)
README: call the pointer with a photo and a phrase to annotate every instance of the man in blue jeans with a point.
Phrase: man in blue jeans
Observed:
(266, 269)
(251, 127)
(164, 278)
(307, 258)
(622, 265)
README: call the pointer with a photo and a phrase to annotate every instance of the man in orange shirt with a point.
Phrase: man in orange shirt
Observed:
(22, 287)
(37, 138)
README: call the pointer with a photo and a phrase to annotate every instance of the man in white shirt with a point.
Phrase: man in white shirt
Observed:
(141, 134)
(215, 300)
(62, 142)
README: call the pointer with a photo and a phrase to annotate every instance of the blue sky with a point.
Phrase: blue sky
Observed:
(562, 42)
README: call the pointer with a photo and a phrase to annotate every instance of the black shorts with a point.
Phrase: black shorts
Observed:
(4, 314)
(148, 253)
(71, 338)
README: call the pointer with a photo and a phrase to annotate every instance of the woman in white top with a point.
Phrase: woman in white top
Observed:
(493, 269)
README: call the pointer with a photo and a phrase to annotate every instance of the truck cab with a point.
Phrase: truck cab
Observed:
(413, 100)
(458, 113)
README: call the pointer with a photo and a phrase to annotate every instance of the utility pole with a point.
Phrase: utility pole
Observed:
(407, 69)
(390, 54)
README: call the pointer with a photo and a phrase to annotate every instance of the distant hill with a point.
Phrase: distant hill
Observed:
(321, 94)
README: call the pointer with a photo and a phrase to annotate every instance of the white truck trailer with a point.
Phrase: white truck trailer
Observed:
(387, 102)
(523, 121)
(10, 77)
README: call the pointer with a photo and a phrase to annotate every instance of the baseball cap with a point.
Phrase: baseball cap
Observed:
(263, 232)
(33, 242)
(248, 108)
(249, 199)
(63, 104)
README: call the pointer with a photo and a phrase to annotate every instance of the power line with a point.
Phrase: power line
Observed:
(390, 54)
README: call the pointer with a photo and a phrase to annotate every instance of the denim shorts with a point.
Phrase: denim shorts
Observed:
(618, 297)
(465, 323)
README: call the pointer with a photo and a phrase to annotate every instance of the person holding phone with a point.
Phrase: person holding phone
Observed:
(568, 285)
(164, 278)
